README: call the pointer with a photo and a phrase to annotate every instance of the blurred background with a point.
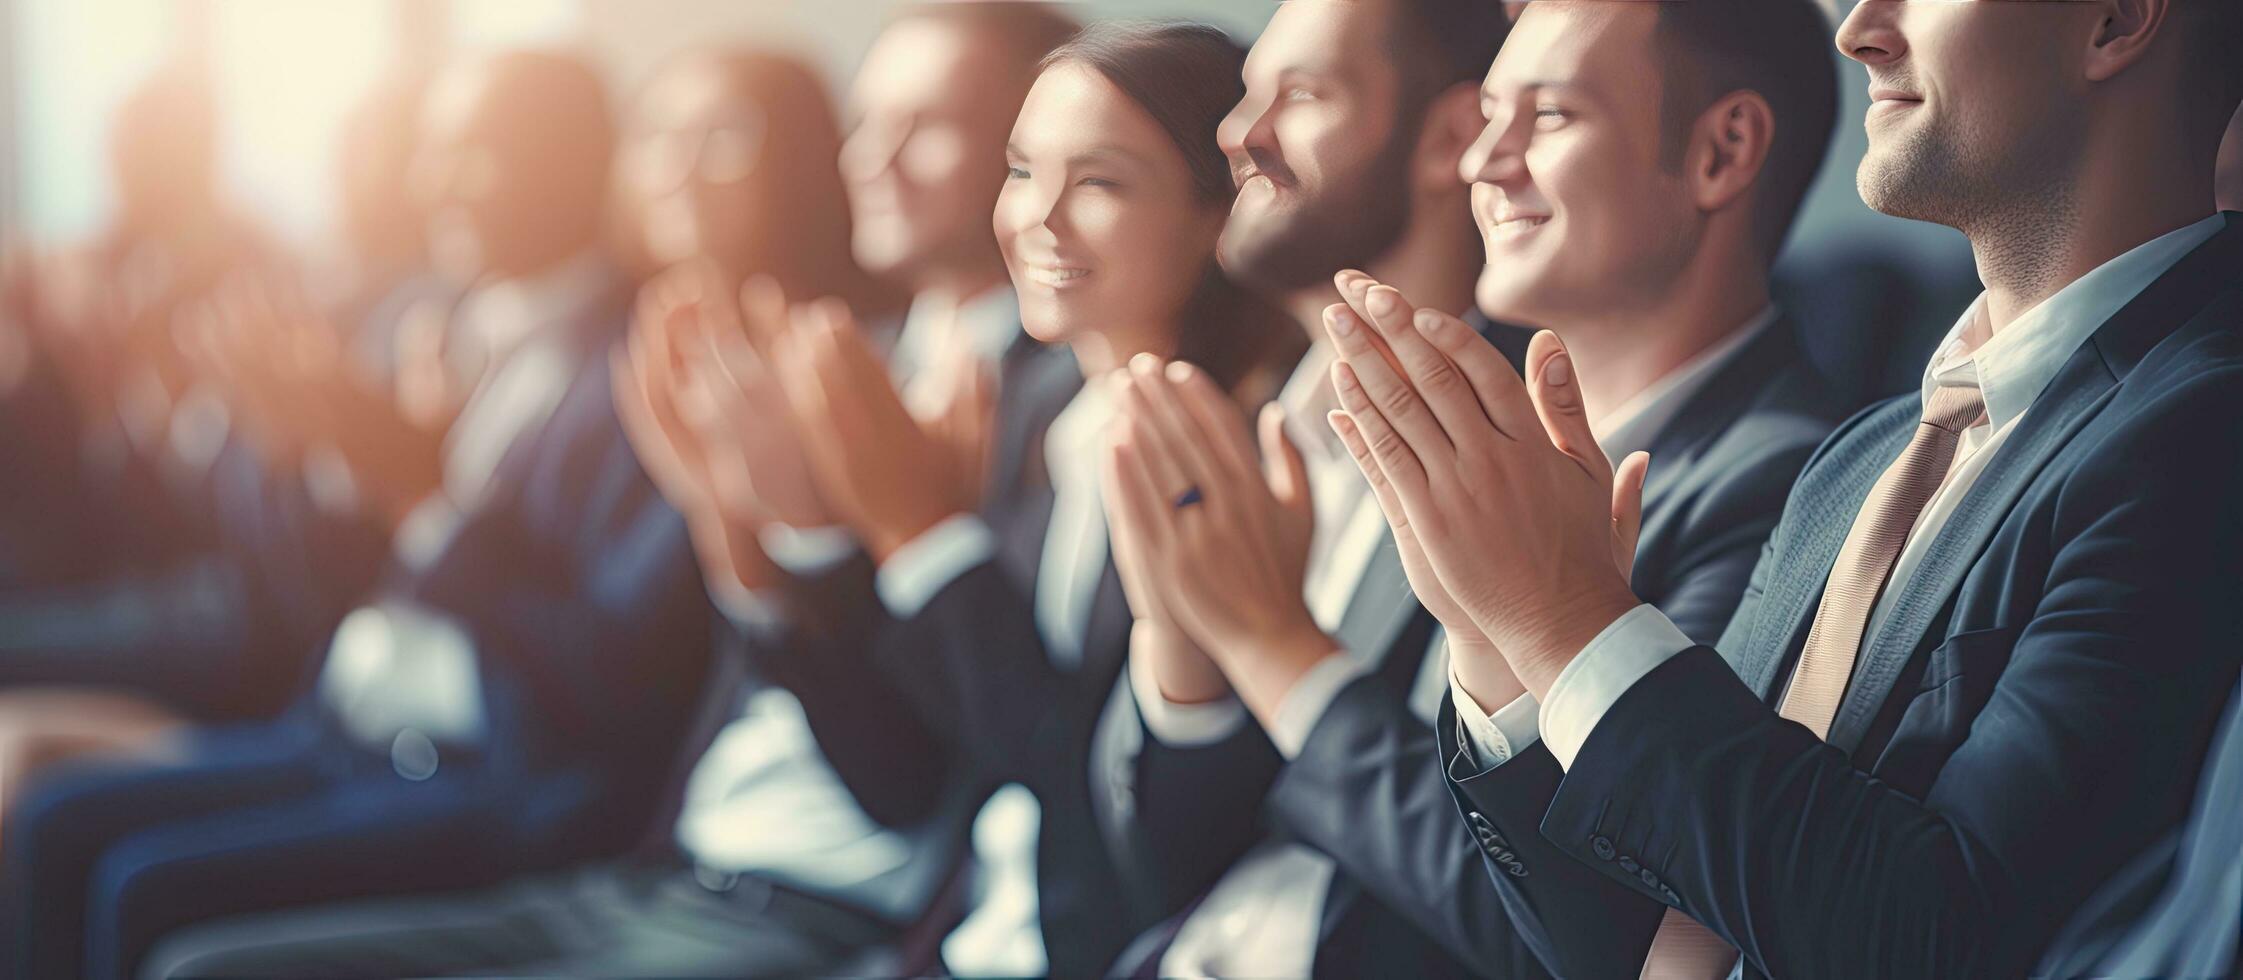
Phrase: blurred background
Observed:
(286, 72)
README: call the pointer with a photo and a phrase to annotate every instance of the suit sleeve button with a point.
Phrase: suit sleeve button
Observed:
(1650, 880)
(1602, 847)
(1629, 865)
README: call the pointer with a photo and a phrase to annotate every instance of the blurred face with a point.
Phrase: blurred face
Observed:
(1973, 105)
(689, 161)
(1320, 157)
(1570, 190)
(923, 160)
(509, 186)
(1098, 220)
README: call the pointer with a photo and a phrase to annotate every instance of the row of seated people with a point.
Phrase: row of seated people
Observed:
(947, 560)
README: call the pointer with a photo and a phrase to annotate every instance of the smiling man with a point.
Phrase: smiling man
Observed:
(1636, 211)
(1979, 663)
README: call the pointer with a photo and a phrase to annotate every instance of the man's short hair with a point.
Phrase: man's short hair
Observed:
(1441, 43)
(1780, 49)
(2215, 30)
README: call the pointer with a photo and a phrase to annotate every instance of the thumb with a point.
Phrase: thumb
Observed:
(1281, 461)
(1627, 510)
(1555, 388)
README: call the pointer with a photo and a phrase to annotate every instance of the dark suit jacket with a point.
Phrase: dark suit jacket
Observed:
(988, 699)
(2177, 908)
(1367, 788)
(2032, 713)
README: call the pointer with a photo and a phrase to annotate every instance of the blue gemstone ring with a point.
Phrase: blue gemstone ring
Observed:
(1189, 498)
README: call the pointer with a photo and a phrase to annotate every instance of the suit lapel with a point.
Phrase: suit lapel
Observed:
(1828, 498)
(2081, 386)
(1718, 403)
(2085, 383)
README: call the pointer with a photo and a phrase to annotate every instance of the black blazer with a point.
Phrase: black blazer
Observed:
(965, 688)
(1368, 789)
(2032, 714)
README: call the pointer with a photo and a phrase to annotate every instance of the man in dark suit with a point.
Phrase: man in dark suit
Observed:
(2176, 908)
(1980, 660)
(1718, 391)
(507, 698)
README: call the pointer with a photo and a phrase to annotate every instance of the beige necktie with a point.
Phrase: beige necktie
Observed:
(1682, 949)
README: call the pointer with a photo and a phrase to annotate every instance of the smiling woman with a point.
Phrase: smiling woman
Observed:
(1116, 192)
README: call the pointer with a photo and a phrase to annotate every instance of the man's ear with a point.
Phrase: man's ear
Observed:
(2123, 35)
(1728, 150)
(1452, 123)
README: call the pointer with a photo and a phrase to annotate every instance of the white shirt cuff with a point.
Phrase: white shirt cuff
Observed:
(1304, 706)
(1494, 739)
(750, 611)
(919, 570)
(806, 551)
(1182, 725)
(426, 531)
(1634, 645)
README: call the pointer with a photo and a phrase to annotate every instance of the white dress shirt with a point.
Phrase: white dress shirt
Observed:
(1626, 430)
(2012, 369)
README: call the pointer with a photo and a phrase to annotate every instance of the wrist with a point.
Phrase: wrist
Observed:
(1537, 655)
(1482, 671)
(1264, 669)
(884, 538)
(1183, 674)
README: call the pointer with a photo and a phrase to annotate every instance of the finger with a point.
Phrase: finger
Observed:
(763, 310)
(1135, 500)
(1494, 381)
(1284, 469)
(1556, 394)
(1217, 417)
(1437, 379)
(1175, 433)
(1151, 444)
(1398, 402)
(718, 301)
(1386, 446)
(1355, 291)
(1382, 488)
(1627, 508)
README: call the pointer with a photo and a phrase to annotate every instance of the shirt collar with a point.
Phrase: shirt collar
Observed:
(1631, 427)
(988, 322)
(1074, 440)
(501, 315)
(2012, 367)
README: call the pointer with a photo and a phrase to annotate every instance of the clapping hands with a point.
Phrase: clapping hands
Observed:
(1525, 529)
(1207, 537)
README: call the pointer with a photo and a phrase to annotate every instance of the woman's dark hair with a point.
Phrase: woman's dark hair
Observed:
(1186, 76)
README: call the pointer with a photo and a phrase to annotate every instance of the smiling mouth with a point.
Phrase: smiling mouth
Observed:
(1517, 225)
(1056, 276)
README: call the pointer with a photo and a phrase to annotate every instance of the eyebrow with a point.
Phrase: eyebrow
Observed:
(1103, 151)
(1488, 91)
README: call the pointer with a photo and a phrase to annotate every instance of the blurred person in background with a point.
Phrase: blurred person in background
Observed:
(229, 637)
(121, 610)
(508, 697)
(800, 846)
